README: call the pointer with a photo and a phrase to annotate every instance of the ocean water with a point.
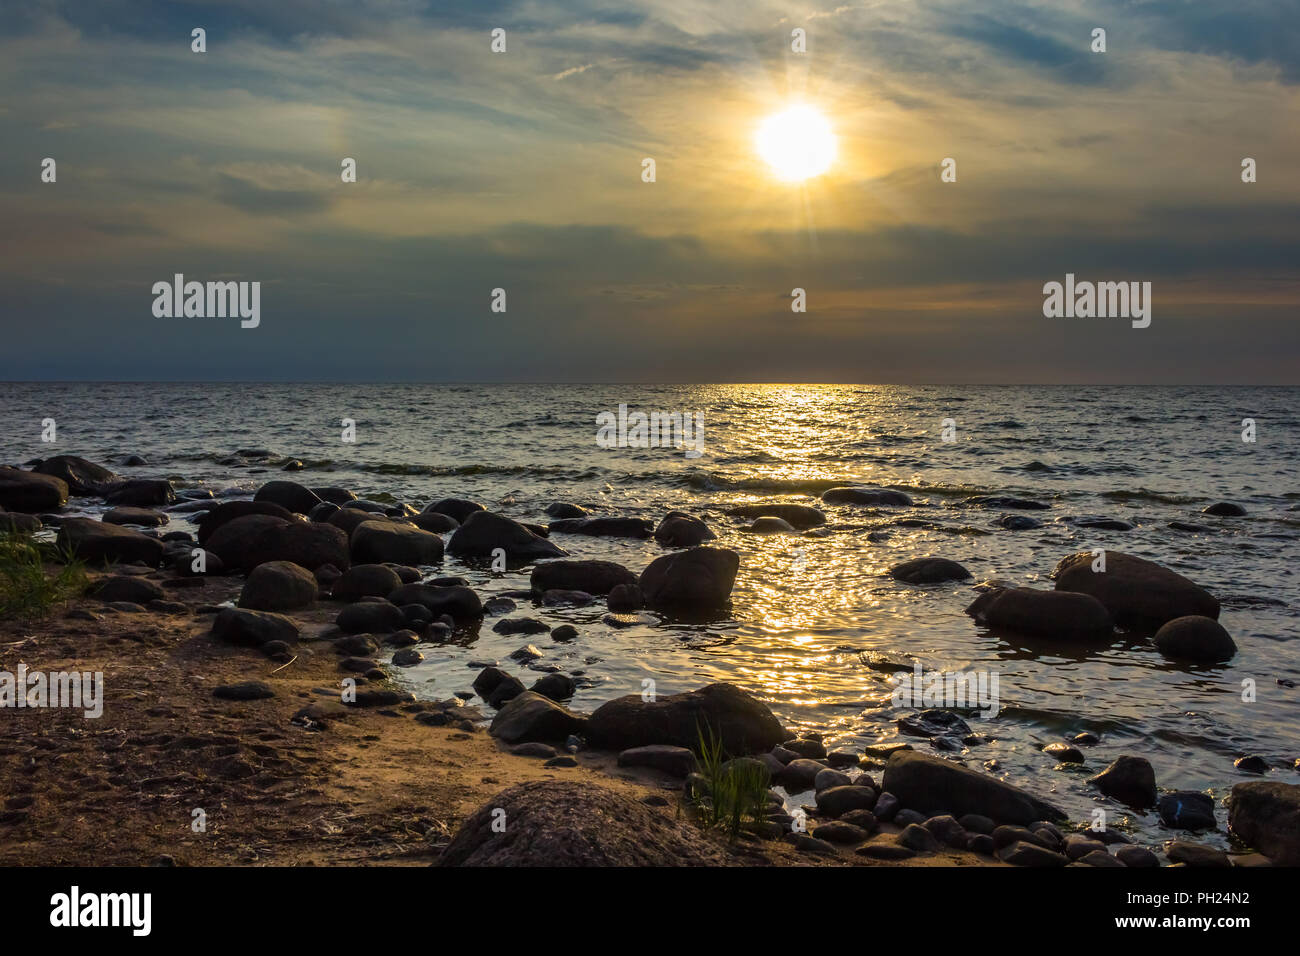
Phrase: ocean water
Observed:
(815, 628)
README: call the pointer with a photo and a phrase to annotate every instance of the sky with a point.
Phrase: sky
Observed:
(522, 171)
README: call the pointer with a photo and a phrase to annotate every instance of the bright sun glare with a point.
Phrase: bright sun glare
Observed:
(797, 143)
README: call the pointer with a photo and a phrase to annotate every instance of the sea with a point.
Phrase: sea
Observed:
(816, 628)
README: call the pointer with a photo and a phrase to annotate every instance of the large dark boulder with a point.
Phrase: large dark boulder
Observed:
(1135, 591)
(434, 521)
(1053, 614)
(365, 580)
(279, 586)
(608, 527)
(255, 539)
(801, 516)
(82, 477)
(95, 542)
(932, 785)
(371, 617)
(140, 492)
(743, 724)
(866, 496)
(230, 510)
(1195, 638)
(289, 495)
(1265, 815)
(696, 579)
(562, 823)
(680, 530)
(349, 519)
(928, 571)
(31, 492)
(460, 602)
(125, 587)
(531, 716)
(594, 577)
(483, 532)
(252, 628)
(374, 542)
(457, 508)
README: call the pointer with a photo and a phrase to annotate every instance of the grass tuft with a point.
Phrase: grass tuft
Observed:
(27, 592)
(736, 790)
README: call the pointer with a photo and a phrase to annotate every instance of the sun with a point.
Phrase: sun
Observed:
(797, 143)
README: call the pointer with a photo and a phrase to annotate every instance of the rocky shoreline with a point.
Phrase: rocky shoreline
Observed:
(304, 603)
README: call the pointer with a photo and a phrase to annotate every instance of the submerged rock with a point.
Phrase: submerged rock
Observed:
(1224, 509)
(801, 516)
(928, 571)
(866, 496)
(608, 527)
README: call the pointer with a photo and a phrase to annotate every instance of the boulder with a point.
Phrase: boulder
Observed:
(30, 492)
(1187, 810)
(144, 517)
(374, 542)
(695, 579)
(252, 628)
(83, 478)
(459, 602)
(230, 510)
(866, 496)
(549, 823)
(365, 580)
(743, 724)
(125, 587)
(625, 598)
(928, 571)
(1066, 615)
(555, 686)
(770, 526)
(1265, 815)
(457, 508)
(434, 521)
(594, 577)
(1195, 638)
(561, 509)
(680, 530)
(141, 492)
(255, 539)
(19, 523)
(288, 495)
(95, 542)
(932, 786)
(802, 517)
(674, 761)
(609, 527)
(483, 532)
(334, 496)
(837, 801)
(529, 716)
(370, 617)
(1135, 591)
(279, 586)
(1224, 509)
(1131, 780)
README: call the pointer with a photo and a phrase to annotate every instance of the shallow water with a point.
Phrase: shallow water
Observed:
(810, 613)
